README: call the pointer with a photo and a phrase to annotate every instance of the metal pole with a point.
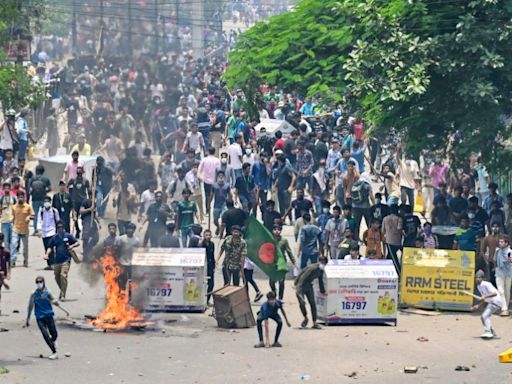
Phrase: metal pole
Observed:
(156, 28)
(102, 26)
(197, 28)
(130, 22)
(73, 29)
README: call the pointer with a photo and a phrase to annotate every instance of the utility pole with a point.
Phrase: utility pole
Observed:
(102, 27)
(197, 22)
(155, 28)
(73, 29)
(130, 22)
(177, 9)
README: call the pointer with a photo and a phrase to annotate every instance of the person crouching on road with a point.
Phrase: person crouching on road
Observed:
(270, 310)
(304, 288)
(490, 295)
(41, 301)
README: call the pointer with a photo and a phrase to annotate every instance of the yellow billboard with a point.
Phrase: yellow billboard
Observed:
(435, 278)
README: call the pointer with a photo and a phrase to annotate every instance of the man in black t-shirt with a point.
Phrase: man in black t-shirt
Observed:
(79, 189)
(233, 216)
(39, 186)
(411, 226)
(269, 215)
(290, 146)
(245, 189)
(90, 227)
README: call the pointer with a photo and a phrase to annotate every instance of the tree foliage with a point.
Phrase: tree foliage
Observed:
(18, 19)
(428, 68)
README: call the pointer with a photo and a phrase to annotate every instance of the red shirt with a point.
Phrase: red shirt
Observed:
(14, 192)
(358, 130)
(279, 144)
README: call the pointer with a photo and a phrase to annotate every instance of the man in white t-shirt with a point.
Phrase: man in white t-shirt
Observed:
(194, 141)
(409, 172)
(147, 198)
(490, 295)
(235, 156)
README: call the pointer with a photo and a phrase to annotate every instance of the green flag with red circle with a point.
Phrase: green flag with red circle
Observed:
(263, 250)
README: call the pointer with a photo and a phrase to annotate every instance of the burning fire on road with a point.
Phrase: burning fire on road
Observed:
(118, 313)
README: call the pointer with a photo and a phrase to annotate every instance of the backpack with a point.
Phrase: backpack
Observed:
(55, 213)
(359, 193)
(37, 189)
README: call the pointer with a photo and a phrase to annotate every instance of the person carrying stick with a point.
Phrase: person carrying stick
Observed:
(490, 295)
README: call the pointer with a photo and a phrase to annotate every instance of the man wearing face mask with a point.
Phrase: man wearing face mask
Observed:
(477, 213)
(228, 171)
(249, 156)
(59, 249)
(41, 300)
(47, 224)
(245, 189)
(304, 289)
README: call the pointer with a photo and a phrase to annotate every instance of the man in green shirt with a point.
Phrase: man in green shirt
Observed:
(186, 210)
(286, 250)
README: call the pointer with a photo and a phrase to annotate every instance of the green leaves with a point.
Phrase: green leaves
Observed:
(423, 67)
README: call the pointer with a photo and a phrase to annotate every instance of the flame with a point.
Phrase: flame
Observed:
(118, 313)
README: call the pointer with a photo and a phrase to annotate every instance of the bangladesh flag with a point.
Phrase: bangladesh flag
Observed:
(262, 249)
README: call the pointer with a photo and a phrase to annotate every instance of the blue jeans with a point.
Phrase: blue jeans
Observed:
(35, 206)
(206, 137)
(7, 231)
(318, 204)
(23, 149)
(16, 238)
(99, 201)
(313, 258)
(185, 237)
(302, 181)
(238, 173)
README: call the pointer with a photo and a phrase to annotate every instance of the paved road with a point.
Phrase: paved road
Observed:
(194, 350)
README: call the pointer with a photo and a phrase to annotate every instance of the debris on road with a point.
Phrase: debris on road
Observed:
(422, 339)
(351, 374)
(67, 354)
(505, 357)
(411, 369)
(416, 311)
(462, 368)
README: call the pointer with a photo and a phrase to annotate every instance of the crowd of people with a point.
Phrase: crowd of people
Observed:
(174, 147)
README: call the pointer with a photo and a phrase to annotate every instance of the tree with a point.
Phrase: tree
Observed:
(17, 19)
(425, 67)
